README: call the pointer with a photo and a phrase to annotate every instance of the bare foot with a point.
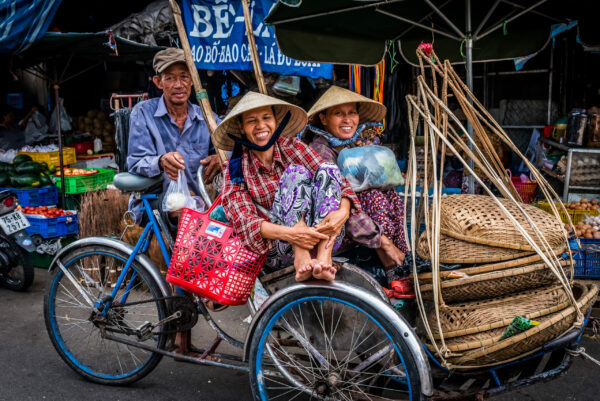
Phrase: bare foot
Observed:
(303, 265)
(323, 271)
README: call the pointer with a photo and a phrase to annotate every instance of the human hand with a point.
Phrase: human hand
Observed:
(392, 255)
(305, 237)
(212, 167)
(171, 163)
(332, 224)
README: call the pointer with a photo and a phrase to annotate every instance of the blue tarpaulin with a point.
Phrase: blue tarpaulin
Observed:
(22, 22)
(217, 35)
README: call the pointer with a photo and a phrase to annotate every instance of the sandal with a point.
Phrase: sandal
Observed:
(403, 288)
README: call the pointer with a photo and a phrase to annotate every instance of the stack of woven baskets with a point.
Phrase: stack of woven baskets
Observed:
(500, 277)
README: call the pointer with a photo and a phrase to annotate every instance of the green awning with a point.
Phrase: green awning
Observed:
(356, 31)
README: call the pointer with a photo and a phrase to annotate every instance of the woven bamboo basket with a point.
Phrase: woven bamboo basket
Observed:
(478, 219)
(493, 351)
(452, 250)
(495, 283)
(426, 278)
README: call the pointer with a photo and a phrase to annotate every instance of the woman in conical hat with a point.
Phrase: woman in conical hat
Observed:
(336, 121)
(309, 201)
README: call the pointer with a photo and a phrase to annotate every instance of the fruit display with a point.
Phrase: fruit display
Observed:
(25, 173)
(47, 212)
(584, 204)
(77, 172)
(100, 125)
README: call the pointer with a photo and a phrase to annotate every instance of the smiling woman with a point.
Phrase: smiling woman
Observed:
(337, 119)
(309, 201)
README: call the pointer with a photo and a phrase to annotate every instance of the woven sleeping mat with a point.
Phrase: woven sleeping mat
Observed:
(478, 219)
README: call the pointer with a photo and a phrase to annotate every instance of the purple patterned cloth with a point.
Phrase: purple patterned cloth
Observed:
(301, 194)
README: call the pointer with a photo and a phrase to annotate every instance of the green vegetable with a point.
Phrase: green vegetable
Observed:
(21, 159)
(45, 180)
(4, 179)
(30, 167)
(25, 180)
(4, 167)
(44, 166)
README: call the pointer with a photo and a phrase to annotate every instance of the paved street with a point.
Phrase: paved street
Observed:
(32, 370)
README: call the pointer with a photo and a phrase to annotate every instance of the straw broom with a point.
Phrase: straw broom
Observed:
(102, 215)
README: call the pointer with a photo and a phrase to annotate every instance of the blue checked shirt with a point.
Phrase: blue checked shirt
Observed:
(153, 132)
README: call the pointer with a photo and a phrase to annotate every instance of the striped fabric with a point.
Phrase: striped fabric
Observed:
(22, 22)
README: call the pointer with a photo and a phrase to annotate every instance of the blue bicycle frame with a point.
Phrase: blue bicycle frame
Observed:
(143, 243)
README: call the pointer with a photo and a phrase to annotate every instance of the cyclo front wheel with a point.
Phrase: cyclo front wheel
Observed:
(77, 332)
(326, 344)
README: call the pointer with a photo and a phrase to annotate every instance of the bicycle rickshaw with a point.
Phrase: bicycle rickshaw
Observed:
(340, 340)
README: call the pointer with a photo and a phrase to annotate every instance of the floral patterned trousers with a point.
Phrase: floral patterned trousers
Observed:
(301, 194)
(386, 208)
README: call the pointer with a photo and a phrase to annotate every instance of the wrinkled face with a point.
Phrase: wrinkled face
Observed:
(341, 120)
(259, 125)
(176, 83)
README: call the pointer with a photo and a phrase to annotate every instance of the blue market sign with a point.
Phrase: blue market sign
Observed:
(217, 35)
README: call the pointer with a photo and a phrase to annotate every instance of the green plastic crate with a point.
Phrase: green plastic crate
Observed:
(87, 183)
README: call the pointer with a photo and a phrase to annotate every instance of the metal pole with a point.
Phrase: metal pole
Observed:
(60, 147)
(469, 68)
(548, 119)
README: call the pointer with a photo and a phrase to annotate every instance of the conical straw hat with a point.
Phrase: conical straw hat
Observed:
(369, 110)
(253, 100)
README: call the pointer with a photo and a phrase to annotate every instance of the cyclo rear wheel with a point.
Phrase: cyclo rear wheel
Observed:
(73, 325)
(326, 344)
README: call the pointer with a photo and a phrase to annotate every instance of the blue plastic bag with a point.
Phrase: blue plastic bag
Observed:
(370, 167)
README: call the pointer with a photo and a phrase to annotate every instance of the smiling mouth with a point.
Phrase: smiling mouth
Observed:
(346, 129)
(262, 135)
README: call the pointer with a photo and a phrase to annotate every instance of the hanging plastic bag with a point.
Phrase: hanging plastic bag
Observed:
(64, 118)
(369, 167)
(178, 195)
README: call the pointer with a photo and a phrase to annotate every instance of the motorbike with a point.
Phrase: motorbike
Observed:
(16, 270)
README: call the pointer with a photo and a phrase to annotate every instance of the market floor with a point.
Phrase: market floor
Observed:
(32, 370)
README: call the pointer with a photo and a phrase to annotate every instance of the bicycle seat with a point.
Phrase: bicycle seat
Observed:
(127, 182)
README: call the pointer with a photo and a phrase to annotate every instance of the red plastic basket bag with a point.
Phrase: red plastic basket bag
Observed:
(527, 190)
(210, 260)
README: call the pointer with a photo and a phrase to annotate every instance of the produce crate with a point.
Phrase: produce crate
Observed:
(587, 260)
(52, 227)
(43, 196)
(69, 156)
(576, 215)
(87, 183)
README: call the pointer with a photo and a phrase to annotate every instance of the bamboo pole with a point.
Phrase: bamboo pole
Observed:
(200, 92)
(260, 79)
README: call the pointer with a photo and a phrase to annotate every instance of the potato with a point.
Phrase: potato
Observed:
(596, 235)
(584, 200)
(91, 113)
(107, 125)
(588, 235)
(579, 233)
(100, 115)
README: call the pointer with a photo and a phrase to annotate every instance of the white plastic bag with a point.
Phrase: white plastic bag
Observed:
(65, 119)
(178, 195)
(370, 167)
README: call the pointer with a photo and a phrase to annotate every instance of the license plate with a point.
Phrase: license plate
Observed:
(13, 222)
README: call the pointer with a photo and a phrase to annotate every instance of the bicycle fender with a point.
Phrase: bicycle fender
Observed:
(390, 314)
(120, 246)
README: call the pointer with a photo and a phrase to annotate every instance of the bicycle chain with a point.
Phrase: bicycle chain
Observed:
(189, 321)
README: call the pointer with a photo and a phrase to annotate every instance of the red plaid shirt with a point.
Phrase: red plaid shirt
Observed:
(260, 184)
